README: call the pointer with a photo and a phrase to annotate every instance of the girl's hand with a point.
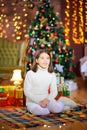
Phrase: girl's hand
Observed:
(44, 103)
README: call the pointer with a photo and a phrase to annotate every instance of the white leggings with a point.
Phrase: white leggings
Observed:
(54, 106)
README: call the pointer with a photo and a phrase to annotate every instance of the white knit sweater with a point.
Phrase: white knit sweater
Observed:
(36, 85)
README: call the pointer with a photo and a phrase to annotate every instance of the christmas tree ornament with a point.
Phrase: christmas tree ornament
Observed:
(42, 46)
(36, 27)
(47, 27)
(70, 69)
(43, 11)
(60, 42)
(47, 5)
(28, 52)
(41, 25)
(31, 34)
(43, 20)
(27, 36)
(48, 45)
(73, 58)
(55, 34)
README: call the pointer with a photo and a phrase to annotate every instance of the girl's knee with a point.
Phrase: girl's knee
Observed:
(38, 110)
(56, 107)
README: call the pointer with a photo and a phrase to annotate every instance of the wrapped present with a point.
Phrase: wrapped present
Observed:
(19, 96)
(9, 89)
(19, 93)
(59, 79)
(14, 96)
(17, 99)
(63, 90)
(11, 101)
(1, 90)
(3, 99)
(66, 91)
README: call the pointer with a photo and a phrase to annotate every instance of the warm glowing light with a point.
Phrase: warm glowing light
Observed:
(24, 30)
(4, 15)
(5, 36)
(20, 22)
(18, 38)
(6, 20)
(13, 3)
(19, 17)
(77, 33)
(7, 25)
(20, 33)
(60, 126)
(67, 21)
(14, 9)
(45, 125)
(76, 21)
(17, 78)
(25, 15)
(24, 10)
(2, 4)
(13, 35)
(15, 30)
(4, 31)
(24, 25)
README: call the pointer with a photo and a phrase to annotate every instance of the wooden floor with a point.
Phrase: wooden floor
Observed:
(80, 96)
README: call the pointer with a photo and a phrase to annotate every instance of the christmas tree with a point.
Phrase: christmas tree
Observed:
(47, 32)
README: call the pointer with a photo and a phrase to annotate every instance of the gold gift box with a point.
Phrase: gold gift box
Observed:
(11, 91)
(19, 93)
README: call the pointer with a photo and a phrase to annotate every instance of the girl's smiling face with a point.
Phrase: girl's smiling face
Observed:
(43, 60)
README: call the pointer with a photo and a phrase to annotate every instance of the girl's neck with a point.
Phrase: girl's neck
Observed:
(39, 67)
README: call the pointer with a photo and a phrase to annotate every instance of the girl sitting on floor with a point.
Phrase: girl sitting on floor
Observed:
(36, 84)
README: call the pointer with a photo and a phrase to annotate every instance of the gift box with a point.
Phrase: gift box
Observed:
(3, 99)
(59, 79)
(63, 90)
(1, 90)
(9, 89)
(17, 99)
(14, 96)
(19, 96)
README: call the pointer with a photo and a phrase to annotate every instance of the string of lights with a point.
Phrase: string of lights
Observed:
(85, 23)
(19, 14)
(67, 22)
(76, 20)
(15, 18)
(17, 25)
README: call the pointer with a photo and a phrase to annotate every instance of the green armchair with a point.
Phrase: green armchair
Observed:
(9, 57)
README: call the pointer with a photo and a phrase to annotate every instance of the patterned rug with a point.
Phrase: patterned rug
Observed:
(19, 118)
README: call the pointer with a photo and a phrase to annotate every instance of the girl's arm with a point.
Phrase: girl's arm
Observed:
(27, 88)
(53, 88)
